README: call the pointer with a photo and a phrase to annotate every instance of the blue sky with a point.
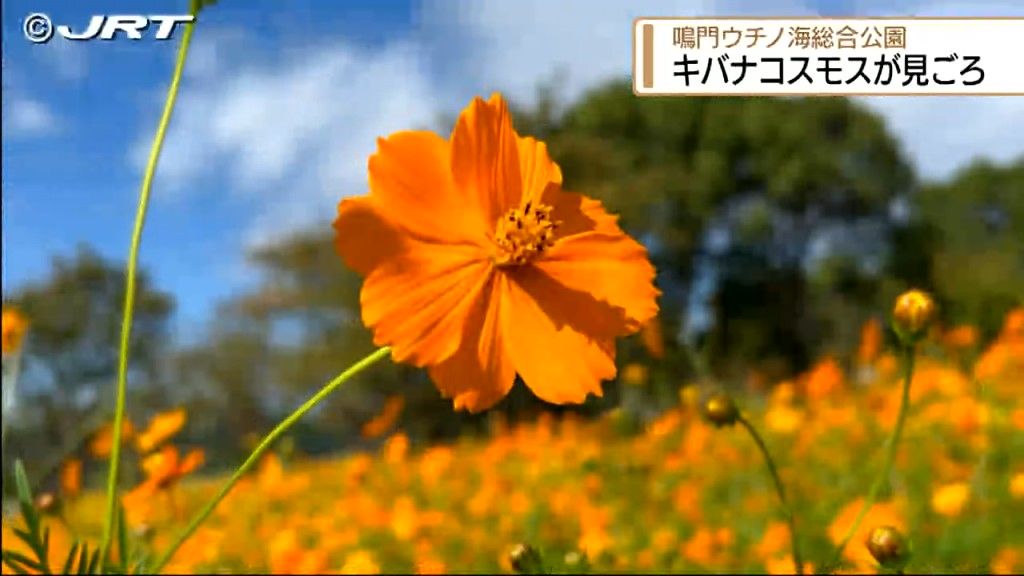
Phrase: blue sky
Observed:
(282, 102)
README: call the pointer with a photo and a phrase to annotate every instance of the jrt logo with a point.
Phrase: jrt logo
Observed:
(39, 28)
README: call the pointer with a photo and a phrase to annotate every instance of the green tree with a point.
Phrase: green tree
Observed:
(71, 357)
(739, 190)
(975, 222)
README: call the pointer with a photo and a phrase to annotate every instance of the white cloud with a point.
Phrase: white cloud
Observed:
(292, 134)
(27, 118)
(521, 42)
(943, 134)
(68, 60)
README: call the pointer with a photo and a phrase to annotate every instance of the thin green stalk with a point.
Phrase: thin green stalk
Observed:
(263, 446)
(130, 270)
(890, 456)
(790, 517)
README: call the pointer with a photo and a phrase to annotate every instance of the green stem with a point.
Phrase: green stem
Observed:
(130, 270)
(790, 517)
(890, 456)
(264, 445)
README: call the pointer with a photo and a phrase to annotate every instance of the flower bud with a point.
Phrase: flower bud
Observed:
(913, 312)
(719, 409)
(525, 559)
(47, 503)
(889, 547)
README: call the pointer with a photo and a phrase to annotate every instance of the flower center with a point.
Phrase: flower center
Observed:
(524, 233)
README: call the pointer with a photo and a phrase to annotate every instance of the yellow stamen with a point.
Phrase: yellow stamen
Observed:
(523, 233)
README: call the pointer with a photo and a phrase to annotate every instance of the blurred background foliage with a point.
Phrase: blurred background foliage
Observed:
(778, 227)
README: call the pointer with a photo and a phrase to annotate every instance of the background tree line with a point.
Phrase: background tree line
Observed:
(778, 226)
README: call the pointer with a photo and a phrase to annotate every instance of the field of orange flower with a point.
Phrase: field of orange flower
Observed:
(676, 494)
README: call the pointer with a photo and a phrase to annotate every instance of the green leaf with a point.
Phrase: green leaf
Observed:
(36, 539)
(11, 555)
(122, 539)
(46, 542)
(94, 562)
(83, 559)
(69, 562)
(24, 535)
(21, 481)
(13, 564)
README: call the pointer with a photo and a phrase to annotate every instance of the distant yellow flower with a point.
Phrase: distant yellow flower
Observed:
(824, 380)
(274, 483)
(163, 470)
(360, 562)
(870, 341)
(430, 566)
(1007, 561)
(404, 519)
(288, 556)
(103, 439)
(774, 540)
(396, 447)
(707, 545)
(950, 499)
(1017, 418)
(13, 324)
(1013, 324)
(960, 337)
(387, 417)
(161, 427)
(689, 396)
(784, 565)
(1017, 486)
(634, 374)
(783, 419)
(71, 478)
(652, 338)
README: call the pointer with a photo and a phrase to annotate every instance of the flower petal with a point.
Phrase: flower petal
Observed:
(537, 169)
(561, 340)
(611, 267)
(485, 159)
(411, 180)
(416, 294)
(576, 213)
(480, 372)
(364, 238)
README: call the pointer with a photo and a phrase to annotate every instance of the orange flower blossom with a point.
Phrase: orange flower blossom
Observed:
(478, 266)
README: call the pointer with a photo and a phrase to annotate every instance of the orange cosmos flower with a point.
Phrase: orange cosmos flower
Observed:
(961, 337)
(161, 427)
(871, 337)
(387, 418)
(102, 440)
(950, 499)
(652, 338)
(71, 478)
(479, 266)
(13, 325)
(165, 468)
